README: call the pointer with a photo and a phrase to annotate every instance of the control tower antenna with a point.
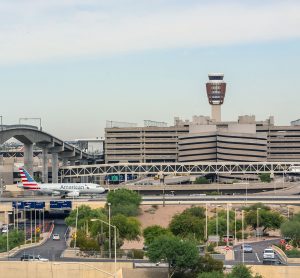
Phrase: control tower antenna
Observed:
(216, 89)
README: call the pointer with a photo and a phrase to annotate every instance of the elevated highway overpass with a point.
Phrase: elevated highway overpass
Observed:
(49, 144)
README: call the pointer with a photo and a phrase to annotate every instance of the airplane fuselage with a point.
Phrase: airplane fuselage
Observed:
(65, 188)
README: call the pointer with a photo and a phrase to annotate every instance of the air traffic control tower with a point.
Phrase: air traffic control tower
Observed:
(216, 89)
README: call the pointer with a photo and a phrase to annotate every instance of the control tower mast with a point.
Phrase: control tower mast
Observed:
(216, 89)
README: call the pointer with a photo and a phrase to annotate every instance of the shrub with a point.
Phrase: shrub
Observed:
(294, 253)
(201, 180)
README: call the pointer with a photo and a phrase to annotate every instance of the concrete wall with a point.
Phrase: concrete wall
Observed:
(59, 269)
(276, 271)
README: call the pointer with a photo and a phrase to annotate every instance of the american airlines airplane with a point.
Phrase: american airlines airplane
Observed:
(63, 189)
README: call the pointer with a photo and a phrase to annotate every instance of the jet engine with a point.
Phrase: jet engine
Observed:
(73, 194)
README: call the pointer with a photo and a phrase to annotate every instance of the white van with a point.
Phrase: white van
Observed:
(269, 253)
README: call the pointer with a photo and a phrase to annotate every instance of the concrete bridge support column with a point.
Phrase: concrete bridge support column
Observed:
(28, 158)
(45, 165)
(54, 167)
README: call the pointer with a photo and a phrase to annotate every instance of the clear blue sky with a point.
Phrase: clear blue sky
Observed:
(79, 63)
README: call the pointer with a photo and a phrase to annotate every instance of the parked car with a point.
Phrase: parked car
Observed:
(27, 257)
(39, 258)
(56, 237)
(247, 248)
(269, 253)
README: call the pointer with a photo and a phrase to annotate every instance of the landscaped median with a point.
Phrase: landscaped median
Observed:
(42, 239)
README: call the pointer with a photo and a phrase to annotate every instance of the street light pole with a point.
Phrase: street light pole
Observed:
(76, 223)
(24, 224)
(43, 220)
(7, 240)
(235, 226)
(227, 242)
(1, 122)
(115, 243)
(39, 119)
(217, 225)
(257, 223)
(115, 239)
(109, 231)
(34, 225)
(206, 221)
(31, 226)
(243, 241)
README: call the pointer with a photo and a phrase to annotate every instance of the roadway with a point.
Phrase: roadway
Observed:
(256, 257)
(181, 199)
(51, 249)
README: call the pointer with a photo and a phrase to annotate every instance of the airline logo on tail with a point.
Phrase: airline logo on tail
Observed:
(27, 181)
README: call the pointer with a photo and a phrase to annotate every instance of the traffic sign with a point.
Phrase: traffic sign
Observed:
(28, 205)
(288, 247)
(60, 204)
(227, 248)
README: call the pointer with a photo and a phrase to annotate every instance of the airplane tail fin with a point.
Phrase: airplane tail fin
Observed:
(27, 181)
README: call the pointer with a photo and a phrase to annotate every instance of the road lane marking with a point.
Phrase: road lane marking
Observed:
(257, 257)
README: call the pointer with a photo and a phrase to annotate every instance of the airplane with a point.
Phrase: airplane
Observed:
(62, 189)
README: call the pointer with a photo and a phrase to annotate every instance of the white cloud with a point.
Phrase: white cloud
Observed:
(45, 30)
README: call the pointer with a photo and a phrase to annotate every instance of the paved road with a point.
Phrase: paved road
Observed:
(257, 256)
(51, 249)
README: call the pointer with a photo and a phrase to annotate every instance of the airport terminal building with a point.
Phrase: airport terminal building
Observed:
(204, 138)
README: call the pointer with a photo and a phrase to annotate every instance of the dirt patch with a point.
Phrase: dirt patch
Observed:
(154, 215)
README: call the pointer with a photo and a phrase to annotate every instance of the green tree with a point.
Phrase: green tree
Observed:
(256, 206)
(213, 274)
(268, 219)
(129, 227)
(190, 223)
(85, 213)
(187, 225)
(291, 229)
(15, 238)
(124, 201)
(207, 263)
(181, 255)
(152, 232)
(265, 177)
